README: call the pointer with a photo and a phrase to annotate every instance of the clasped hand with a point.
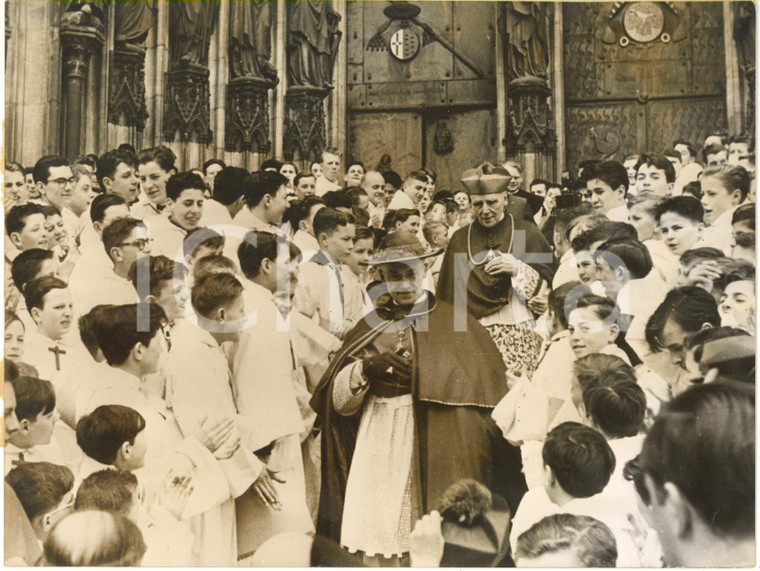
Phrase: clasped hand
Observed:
(504, 264)
(219, 436)
(387, 364)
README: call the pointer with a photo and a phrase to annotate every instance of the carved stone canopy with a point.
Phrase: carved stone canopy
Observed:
(79, 44)
(187, 105)
(247, 115)
(305, 122)
(530, 117)
(126, 87)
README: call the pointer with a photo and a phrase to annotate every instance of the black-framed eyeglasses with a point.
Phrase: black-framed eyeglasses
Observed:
(64, 181)
(633, 471)
(140, 243)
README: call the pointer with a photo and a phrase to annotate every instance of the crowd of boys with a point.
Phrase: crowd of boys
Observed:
(346, 366)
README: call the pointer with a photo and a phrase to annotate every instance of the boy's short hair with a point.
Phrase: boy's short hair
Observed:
(331, 150)
(741, 270)
(180, 182)
(15, 220)
(27, 265)
(118, 231)
(213, 264)
(703, 443)
(33, 397)
(162, 155)
(302, 175)
(392, 178)
(262, 183)
(612, 173)
(159, 269)
(201, 237)
(120, 333)
(744, 213)
(659, 162)
(49, 210)
(602, 232)
(692, 257)
(110, 161)
(40, 486)
(258, 246)
(36, 290)
(111, 540)
(88, 325)
(364, 233)
(271, 163)
(210, 162)
(711, 150)
(603, 307)
(214, 290)
(591, 221)
(590, 540)
(418, 175)
(103, 202)
(428, 231)
(229, 184)
(101, 433)
(354, 163)
(41, 171)
(562, 300)
(301, 209)
(693, 188)
(633, 254)
(328, 220)
(690, 307)
(337, 199)
(107, 490)
(685, 206)
(672, 153)
(564, 216)
(580, 459)
(689, 147)
(733, 177)
(613, 399)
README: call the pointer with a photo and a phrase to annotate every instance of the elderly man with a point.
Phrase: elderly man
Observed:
(402, 419)
(494, 267)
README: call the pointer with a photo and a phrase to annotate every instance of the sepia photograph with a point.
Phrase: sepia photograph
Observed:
(379, 283)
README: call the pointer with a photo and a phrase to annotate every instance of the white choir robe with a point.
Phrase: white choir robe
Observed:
(166, 450)
(93, 282)
(264, 377)
(59, 362)
(198, 386)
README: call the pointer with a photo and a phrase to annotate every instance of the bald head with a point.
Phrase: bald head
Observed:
(373, 183)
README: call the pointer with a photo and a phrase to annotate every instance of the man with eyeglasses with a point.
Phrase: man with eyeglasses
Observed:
(125, 241)
(55, 182)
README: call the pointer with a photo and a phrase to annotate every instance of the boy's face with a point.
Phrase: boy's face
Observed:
(14, 340)
(437, 213)
(538, 189)
(112, 213)
(231, 327)
(404, 280)
(630, 167)
(679, 233)
(414, 189)
(604, 272)
(603, 197)
(316, 169)
(641, 219)
(411, 225)
(56, 231)
(373, 185)
(586, 266)
(277, 205)
(15, 189)
(736, 151)
(354, 175)
(462, 199)
(172, 297)
(129, 250)
(37, 432)
(57, 189)
(358, 259)
(737, 305)
(32, 235)
(307, 186)
(339, 243)
(9, 406)
(82, 195)
(31, 186)
(188, 208)
(588, 333)
(56, 315)
(686, 157)
(718, 159)
(136, 459)
(153, 182)
(651, 181)
(716, 199)
(440, 238)
(330, 166)
(288, 171)
(743, 242)
(203, 250)
(124, 183)
(153, 353)
(676, 162)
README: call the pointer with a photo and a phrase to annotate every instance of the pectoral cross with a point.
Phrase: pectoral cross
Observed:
(58, 352)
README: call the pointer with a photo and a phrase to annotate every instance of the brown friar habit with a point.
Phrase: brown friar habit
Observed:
(464, 260)
(458, 377)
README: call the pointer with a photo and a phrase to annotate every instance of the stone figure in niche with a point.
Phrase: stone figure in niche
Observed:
(191, 24)
(528, 45)
(313, 39)
(443, 142)
(133, 21)
(250, 41)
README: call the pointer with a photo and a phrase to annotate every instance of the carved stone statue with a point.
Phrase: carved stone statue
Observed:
(528, 45)
(191, 24)
(313, 39)
(133, 20)
(250, 41)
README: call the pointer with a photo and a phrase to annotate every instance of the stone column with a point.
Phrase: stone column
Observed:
(187, 105)
(304, 124)
(81, 35)
(531, 138)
